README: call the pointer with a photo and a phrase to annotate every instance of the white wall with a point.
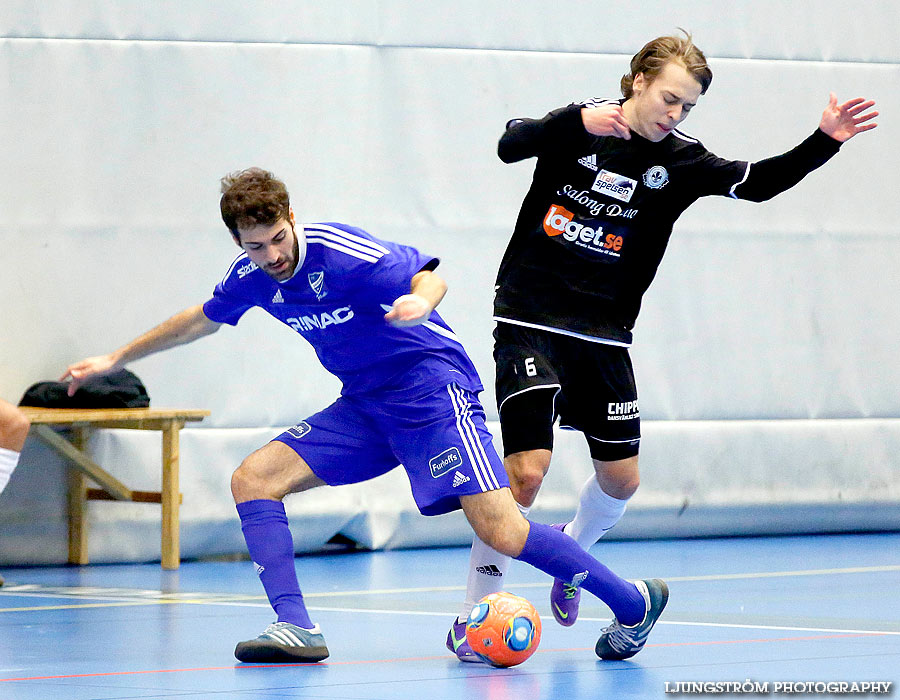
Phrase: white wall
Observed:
(119, 118)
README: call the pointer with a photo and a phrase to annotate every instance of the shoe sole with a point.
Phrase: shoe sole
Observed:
(261, 652)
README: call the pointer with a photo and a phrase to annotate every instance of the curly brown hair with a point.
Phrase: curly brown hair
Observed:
(651, 59)
(251, 197)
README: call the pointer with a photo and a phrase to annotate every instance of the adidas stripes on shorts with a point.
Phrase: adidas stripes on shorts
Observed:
(440, 439)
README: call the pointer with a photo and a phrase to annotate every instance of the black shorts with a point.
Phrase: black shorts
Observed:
(542, 376)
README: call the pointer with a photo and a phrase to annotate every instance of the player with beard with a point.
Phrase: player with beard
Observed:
(409, 396)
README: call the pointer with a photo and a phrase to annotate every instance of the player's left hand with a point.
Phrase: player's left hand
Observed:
(409, 310)
(843, 122)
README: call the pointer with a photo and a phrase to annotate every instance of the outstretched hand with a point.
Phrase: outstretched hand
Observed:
(86, 368)
(843, 122)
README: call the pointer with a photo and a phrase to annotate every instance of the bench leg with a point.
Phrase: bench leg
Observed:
(170, 545)
(77, 505)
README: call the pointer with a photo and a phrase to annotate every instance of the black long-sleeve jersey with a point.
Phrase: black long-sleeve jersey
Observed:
(596, 221)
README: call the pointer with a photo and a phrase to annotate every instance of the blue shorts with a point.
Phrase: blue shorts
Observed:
(440, 439)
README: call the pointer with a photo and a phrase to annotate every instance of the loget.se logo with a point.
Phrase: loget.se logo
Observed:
(556, 220)
(560, 221)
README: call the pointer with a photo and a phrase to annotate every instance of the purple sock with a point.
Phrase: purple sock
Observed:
(265, 527)
(560, 556)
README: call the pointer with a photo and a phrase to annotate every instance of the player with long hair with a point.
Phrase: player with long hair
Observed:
(612, 176)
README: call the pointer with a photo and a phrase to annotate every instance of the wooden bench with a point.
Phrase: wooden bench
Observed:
(80, 423)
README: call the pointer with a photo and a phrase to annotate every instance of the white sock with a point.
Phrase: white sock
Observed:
(487, 570)
(8, 462)
(597, 512)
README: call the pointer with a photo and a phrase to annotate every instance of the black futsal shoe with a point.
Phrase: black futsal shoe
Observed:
(620, 641)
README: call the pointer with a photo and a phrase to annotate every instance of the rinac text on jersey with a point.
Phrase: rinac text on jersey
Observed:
(337, 299)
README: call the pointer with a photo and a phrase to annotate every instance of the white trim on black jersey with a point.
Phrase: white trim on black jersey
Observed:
(558, 388)
(684, 137)
(743, 179)
(615, 442)
(571, 334)
(597, 101)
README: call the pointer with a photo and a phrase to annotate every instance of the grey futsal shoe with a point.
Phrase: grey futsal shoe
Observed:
(619, 641)
(283, 642)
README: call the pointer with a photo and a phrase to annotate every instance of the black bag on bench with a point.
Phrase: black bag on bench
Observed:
(118, 389)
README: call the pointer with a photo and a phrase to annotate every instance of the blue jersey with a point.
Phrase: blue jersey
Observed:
(337, 300)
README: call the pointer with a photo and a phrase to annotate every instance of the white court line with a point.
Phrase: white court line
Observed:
(58, 592)
(708, 577)
(198, 600)
(779, 574)
(605, 620)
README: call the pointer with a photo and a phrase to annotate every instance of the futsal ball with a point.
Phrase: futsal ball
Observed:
(503, 629)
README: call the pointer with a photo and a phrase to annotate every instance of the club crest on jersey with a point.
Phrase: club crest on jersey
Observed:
(656, 177)
(317, 282)
(614, 185)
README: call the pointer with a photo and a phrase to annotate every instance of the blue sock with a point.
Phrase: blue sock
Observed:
(560, 556)
(265, 527)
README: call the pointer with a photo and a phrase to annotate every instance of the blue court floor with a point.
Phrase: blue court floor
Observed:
(769, 610)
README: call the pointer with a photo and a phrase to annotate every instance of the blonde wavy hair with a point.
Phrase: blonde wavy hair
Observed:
(651, 59)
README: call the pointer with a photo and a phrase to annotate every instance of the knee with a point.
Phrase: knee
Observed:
(508, 541)
(526, 471)
(506, 535)
(248, 484)
(624, 488)
(14, 430)
(619, 479)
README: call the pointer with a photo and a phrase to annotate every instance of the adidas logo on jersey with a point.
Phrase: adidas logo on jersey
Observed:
(278, 299)
(489, 570)
(589, 162)
(459, 479)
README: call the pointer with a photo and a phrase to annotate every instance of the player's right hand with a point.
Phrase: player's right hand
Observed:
(606, 120)
(86, 368)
